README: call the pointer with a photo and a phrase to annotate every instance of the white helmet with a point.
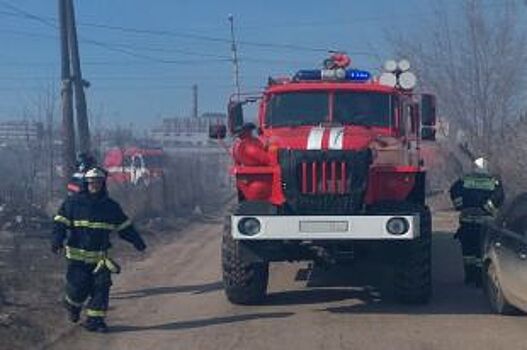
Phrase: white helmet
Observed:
(95, 173)
(482, 165)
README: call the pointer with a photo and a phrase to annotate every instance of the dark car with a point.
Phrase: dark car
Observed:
(505, 259)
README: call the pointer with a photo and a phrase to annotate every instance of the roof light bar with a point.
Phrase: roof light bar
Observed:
(397, 74)
(390, 66)
(388, 79)
(403, 65)
(333, 74)
(407, 80)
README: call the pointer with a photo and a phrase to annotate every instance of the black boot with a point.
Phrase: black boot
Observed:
(74, 312)
(95, 324)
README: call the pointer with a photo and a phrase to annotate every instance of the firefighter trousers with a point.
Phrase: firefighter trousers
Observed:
(469, 236)
(83, 283)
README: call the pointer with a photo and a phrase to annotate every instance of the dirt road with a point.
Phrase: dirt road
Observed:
(174, 300)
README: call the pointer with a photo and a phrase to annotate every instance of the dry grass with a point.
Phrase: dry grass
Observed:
(31, 278)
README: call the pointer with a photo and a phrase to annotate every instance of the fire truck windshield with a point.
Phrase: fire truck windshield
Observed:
(312, 108)
(297, 108)
(362, 108)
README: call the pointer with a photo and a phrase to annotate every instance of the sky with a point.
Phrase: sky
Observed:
(142, 57)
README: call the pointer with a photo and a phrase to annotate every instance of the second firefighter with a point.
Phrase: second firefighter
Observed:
(477, 196)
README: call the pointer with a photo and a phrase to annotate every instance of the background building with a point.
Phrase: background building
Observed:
(20, 132)
(186, 132)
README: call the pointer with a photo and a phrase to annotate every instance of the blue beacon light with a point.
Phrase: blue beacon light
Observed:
(357, 75)
(316, 74)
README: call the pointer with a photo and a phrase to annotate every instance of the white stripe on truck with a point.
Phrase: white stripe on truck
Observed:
(314, 139)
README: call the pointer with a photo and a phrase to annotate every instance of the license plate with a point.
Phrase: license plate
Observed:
(324, 226)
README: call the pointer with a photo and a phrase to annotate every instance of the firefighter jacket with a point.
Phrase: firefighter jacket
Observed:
(477, 192)
(84, 222)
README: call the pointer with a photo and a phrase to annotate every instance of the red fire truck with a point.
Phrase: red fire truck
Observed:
(136, 165)
(332, 171)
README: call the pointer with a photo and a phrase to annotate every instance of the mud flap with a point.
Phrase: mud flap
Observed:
(249, 253)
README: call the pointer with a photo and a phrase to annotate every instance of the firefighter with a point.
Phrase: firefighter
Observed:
(477, 196)
(84, 162)
(82, 229)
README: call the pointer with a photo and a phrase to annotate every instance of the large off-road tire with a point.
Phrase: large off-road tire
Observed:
(244, 280)
(492, 287)
(412, 259)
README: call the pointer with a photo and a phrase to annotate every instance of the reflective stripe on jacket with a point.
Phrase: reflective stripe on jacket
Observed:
(85, 222)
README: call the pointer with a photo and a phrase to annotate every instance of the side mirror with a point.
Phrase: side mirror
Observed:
(235, 117)
(428, 117)
(217, 131)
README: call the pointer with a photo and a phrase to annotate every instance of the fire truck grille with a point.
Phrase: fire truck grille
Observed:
(324, 177)
(324, 182)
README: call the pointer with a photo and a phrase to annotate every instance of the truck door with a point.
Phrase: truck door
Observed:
(406, 130)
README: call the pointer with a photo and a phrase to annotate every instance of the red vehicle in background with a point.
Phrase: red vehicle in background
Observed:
(135, 165)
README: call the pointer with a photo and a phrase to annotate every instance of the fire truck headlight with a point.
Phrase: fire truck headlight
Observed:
(249, 226)
(388, 79)
(397, 226)
(407, 80)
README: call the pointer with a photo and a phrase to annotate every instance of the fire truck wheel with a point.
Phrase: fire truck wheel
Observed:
(413, 271)
(244, 281)
(412, 259)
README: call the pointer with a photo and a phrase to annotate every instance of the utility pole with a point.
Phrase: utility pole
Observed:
(68, 129)
(235, 58)
(79, 84)
(195, 101)
(49, 141)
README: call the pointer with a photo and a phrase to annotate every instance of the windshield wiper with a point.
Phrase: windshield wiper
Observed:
(294, 123)
(366, 125)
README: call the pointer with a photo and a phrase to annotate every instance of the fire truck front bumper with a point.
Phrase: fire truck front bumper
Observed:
(356, 227)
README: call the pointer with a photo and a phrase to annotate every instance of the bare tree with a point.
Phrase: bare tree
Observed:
(475, 63)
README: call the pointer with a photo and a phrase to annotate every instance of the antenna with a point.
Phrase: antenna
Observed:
(235, 58)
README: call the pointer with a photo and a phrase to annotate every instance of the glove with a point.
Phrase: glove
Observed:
(140, 246)
(56, 248)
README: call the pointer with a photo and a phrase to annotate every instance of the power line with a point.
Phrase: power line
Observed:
(28, 15)
(126, 87)
(201, 37)
(121, 48)
(157, 32)
(110, 47)
(129, 50)
(125, 48)
(52, 23)
(186, 35)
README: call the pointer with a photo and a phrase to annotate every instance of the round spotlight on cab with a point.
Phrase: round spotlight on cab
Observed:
(407, 80)
(403, 65)
(390, 66)
(249, 226)
(388, 79)
(397, 226)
